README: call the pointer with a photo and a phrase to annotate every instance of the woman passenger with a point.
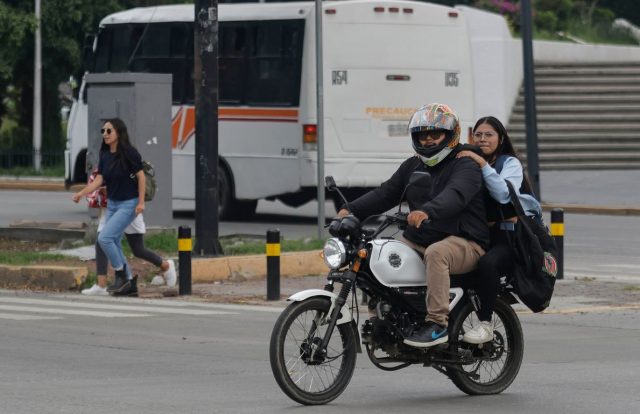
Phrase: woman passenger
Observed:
(499, 162)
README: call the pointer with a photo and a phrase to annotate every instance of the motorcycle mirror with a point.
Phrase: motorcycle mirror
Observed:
(330, 183)
(417, 179)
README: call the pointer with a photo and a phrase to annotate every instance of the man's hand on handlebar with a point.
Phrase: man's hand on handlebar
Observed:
(343, 213)
(416, 217)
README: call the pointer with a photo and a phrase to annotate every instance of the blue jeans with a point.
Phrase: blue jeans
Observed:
(118, 216)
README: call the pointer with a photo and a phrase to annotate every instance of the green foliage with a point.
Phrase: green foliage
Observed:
(240, 246)
(27, 258)
(546, 21)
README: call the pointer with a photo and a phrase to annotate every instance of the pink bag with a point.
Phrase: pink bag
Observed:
(97, 198)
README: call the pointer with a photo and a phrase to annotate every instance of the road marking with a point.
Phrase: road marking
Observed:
(59, 311)
(114, 307)
(19, 317)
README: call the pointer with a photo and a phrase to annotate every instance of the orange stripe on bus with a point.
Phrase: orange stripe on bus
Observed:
(185, 120)
(254, 112)
(175, 128)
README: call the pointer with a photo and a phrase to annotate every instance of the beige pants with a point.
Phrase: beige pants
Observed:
(453, 255)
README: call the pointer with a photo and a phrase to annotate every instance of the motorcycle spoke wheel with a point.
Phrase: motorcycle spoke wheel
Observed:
(304, 374)
(492, 358)
(491, 367)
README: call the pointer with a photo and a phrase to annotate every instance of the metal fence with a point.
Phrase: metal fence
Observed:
(24, 159)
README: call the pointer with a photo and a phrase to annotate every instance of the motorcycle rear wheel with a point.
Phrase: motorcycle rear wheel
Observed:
(491, 368)
(305, 378)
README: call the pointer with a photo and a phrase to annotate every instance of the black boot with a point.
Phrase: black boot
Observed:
(130, 288)
(121, 279)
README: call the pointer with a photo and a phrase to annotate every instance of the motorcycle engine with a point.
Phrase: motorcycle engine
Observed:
(387, 329)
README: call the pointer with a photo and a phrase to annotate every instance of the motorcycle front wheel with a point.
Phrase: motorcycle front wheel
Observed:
(491, 367)
(307, 376)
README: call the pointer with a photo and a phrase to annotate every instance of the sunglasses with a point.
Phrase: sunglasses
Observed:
(107, 130)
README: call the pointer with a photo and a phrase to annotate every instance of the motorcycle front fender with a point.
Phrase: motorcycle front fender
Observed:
(345, 313)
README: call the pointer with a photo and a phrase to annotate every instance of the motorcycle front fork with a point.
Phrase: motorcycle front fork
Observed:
(321, 350)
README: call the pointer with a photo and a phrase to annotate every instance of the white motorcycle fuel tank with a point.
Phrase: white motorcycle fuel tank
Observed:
(395, 264)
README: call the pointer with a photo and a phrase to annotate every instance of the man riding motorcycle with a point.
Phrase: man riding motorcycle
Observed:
(447, 222)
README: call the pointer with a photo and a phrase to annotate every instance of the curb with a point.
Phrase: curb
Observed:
(253, 267)
(36, 184)
(61, 278)
(206, 270)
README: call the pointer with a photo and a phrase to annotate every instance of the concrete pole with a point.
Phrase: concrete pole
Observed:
(37, 95)
(320, 119)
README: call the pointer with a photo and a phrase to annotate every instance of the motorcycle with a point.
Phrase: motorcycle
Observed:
(315, 340)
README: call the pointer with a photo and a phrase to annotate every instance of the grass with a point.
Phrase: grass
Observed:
(240, 246)
(166, 244)
(27, 258)
(631, 288)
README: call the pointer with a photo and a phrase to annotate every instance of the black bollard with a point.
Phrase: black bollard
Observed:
(557, 231)
(184, 258)
(273, 264)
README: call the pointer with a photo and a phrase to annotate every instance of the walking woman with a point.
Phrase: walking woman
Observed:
(120, 170)
(499, 162)
(134, 233)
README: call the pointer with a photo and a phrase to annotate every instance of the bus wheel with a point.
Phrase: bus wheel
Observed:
(79, 173)
(228, 207)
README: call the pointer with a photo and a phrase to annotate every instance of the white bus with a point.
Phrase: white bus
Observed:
(382, 60)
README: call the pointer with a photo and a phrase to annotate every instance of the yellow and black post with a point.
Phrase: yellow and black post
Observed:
(557, 231)
(184, 258)
(273, 264)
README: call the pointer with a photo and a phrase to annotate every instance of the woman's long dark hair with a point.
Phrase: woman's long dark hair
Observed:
(123, 140)
(505, 146)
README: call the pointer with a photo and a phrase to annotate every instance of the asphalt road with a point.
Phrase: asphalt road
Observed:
(73, 355)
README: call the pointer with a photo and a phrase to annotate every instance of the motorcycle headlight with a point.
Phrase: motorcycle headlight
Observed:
(334, 253)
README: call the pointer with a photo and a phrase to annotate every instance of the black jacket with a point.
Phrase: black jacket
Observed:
(454, 203)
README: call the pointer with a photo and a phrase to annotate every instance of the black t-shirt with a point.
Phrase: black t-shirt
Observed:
(116, 170)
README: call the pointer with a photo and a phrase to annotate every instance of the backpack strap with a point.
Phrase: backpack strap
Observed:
(500, 160)
(515, 200)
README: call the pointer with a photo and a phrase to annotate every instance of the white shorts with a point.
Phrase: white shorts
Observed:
(137, 226)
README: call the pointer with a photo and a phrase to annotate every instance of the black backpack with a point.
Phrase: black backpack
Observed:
(535, 253)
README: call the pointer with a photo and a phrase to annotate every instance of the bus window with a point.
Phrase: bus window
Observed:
(162, 50)
(275, 63)
(232, 62)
